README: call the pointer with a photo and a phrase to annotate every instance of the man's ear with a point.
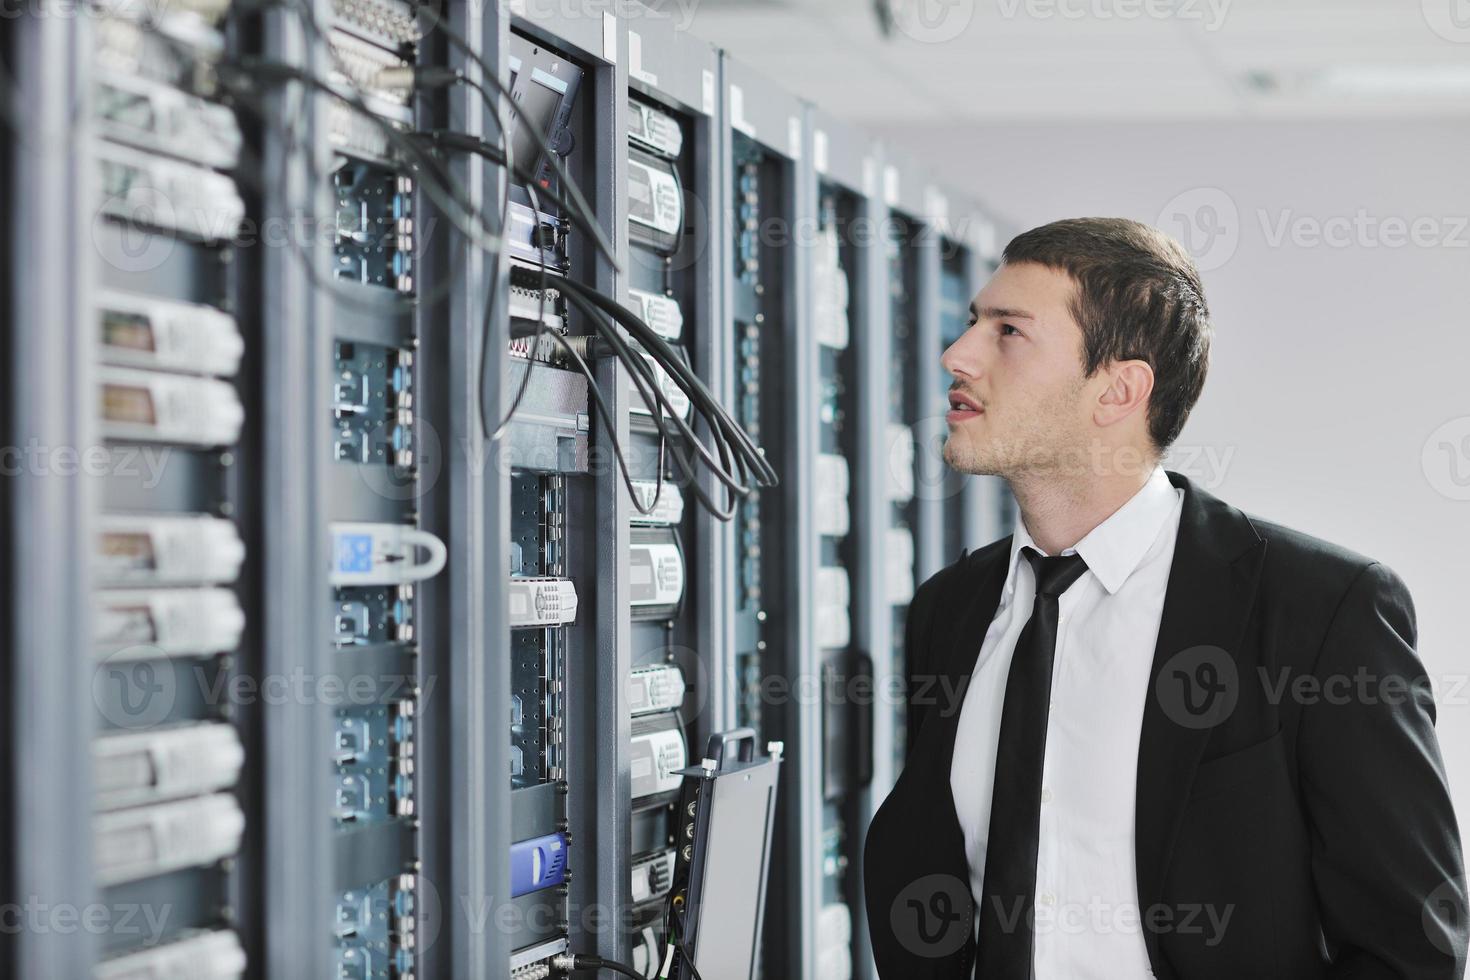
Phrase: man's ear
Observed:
(1129, 385)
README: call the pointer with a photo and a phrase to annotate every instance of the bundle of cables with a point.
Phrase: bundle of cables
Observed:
(733, 459)
(736, 462)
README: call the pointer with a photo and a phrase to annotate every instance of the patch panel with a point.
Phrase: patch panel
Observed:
(528, 302)
(678, 401)
(653, 876)
(135, 768)
(168, 335)
(373, 751)
(655, 202)
(748, 220)
(665, 504)
(899, 468)
(374, 73)
(136, 550)
(537, 707)
(831, 482)
(659, 311)
(374, 226)
(830, 290)
(174, 49)
(209, 12)
(834, 942)
(657, 753)
(534, 962)
(140, 624)
(149, 406)
(898, 569)
(390, 24)
(749, 698)
(353, 134)
(215, 955)
(833, 600)
(655, 573)
(152, 191)
(377, 931)
(541, 602)
(158, 118)
(373, 404)
(144, 841)
(660, 687)
(536, 240)
(654, 129)
(369, 615)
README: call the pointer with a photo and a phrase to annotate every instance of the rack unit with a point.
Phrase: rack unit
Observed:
(410, 661)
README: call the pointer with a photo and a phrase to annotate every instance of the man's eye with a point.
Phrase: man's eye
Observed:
(970, 322)
(1007, 330)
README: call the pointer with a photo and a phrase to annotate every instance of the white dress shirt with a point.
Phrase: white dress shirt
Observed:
(1087, 914)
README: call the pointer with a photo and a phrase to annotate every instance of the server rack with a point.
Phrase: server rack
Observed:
(673, 128)
(416, 872)
(48, 399)
(847, 320)
(770, 202)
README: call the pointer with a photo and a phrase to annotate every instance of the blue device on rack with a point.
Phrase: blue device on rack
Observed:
(538, 863)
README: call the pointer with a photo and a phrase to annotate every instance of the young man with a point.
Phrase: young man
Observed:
(1149, 736)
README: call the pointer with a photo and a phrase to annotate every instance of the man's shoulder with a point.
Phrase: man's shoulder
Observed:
(1295, 563)
(962, 571)
(1303, 570)
(1293, 549)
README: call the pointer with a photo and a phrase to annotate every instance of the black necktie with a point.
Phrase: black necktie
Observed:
(1006, 910)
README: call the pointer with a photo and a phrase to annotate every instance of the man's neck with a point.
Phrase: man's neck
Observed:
(1060, 510)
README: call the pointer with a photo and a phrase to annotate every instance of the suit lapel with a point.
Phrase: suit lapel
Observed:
(1212, 587)
(969, 619)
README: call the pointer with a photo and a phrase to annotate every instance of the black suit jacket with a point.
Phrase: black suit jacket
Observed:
(1321, 826)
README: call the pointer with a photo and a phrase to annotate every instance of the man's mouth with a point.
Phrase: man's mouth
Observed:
(962, 408)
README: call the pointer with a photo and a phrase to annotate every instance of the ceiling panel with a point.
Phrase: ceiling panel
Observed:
(1083, 59)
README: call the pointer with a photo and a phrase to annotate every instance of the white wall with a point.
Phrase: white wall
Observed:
(1332, 366)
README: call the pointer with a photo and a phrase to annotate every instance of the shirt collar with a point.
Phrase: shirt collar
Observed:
(1115, 547)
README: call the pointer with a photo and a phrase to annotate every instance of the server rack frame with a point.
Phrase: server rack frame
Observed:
(598, 729)
(776, 120)
(50, 397)
(838, 154)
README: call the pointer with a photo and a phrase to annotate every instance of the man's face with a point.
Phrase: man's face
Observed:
(1019, 403)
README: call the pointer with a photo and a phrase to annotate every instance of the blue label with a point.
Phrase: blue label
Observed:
(354, 553)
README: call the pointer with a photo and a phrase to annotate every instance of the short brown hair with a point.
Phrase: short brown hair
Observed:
(1138, 297)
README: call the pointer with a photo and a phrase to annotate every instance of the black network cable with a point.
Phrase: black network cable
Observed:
(578, 962)
(734, 483)
(725, 430)
(489, 74)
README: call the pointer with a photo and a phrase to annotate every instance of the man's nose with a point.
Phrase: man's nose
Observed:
(962, 358)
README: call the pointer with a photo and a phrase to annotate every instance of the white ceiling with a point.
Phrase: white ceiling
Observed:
(986, 60)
